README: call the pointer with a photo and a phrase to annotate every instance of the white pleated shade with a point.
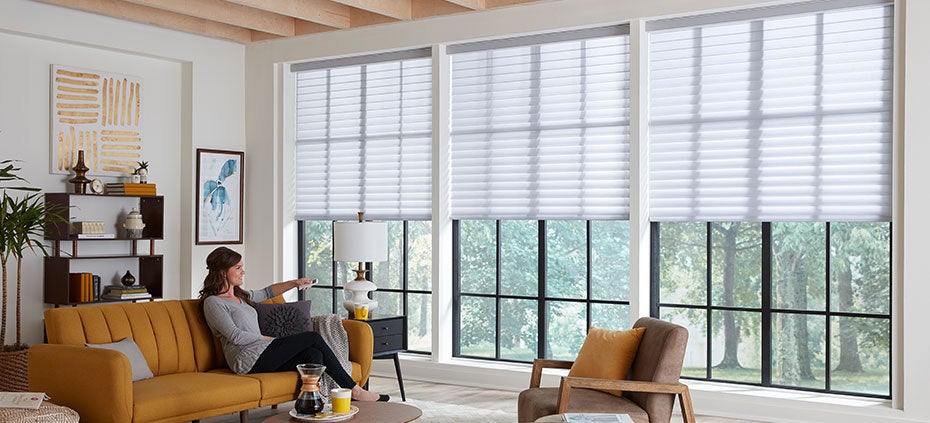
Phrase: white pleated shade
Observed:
(540, 130)
(360, 241)
(773, 118)
(364, 139)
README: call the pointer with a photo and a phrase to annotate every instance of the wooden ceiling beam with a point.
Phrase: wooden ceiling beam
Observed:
(263, 36)
(362, 17)
(323, 12)
(307, 27)
(471, 4)
(427, 8)
(501, 3)
(162, 18)
(228, 13)
(397, 9)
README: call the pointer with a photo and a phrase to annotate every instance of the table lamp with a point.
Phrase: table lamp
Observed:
(359, 242)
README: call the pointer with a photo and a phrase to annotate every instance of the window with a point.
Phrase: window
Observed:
(770, 193)
(802, 305)
(540, 192)
(537, 286)
(364, 143)
(403, 281)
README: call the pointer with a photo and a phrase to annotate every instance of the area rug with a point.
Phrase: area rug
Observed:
(435, 412)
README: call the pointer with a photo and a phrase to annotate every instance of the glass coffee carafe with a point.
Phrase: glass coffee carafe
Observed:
(310, 401)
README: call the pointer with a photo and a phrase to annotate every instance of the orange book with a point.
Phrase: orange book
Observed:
(87, 282)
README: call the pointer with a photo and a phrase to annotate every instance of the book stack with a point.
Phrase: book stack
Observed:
(125, 188)
(135, 292)
(83, 287)
(96, 236)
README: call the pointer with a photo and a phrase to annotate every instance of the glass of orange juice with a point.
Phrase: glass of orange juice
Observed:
(340, 399)
(361, 311)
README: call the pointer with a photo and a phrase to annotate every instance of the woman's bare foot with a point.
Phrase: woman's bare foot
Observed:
(360, 394)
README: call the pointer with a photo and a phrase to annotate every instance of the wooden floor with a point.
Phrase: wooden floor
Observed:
(450, 394)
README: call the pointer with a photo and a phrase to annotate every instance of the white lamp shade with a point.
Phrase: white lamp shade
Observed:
(360, 241)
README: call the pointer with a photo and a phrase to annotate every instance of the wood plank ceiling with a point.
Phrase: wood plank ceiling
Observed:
(246, 21)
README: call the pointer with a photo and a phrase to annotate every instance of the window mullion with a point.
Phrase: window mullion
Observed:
(456, 290)
(828, 306)
(766, 303)
(541, 291)
(709, 333)
(497, 291)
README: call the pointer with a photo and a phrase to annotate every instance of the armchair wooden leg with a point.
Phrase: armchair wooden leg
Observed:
(687, 411)
(244, 416)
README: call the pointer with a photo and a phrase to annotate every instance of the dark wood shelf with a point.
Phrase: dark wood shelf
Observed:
(134, 300)
(74, 238)
(74, 194)
(109, 256)
(58, 266)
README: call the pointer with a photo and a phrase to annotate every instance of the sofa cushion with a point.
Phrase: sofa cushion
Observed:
(189, 396)
(538, 402)
(607, 354)
(277, 387)
(140, 369)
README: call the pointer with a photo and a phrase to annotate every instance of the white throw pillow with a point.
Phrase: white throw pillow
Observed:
(140, 368)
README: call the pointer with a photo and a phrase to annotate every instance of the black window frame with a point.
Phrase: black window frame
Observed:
(336, 289)
(541, 298)
(767, 310)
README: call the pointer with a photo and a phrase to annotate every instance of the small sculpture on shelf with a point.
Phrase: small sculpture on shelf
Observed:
(80, 169)
(133, 224)
(128, 279)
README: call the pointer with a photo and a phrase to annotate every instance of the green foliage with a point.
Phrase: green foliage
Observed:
(566, 273)
(22, 223)
(859, 260)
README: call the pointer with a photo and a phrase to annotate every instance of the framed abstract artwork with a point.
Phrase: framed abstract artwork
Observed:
(97, 112)
(219, 196)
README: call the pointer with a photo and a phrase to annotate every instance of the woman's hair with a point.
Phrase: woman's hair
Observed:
(219, 261)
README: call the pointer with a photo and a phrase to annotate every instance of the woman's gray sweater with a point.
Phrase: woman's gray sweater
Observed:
(236, 326)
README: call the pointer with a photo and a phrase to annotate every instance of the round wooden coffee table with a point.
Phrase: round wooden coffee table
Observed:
(369, 412)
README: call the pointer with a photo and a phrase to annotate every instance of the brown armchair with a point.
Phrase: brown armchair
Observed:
(648, 393)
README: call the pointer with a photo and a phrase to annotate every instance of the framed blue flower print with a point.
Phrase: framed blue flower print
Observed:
(219, 196)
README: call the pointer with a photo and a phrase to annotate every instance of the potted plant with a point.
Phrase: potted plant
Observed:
(22, 221)
(143, 171)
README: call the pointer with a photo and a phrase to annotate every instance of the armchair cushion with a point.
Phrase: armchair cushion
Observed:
(277, 320)
(607, 354)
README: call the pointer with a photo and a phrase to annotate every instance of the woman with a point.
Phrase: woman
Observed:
(231, 315)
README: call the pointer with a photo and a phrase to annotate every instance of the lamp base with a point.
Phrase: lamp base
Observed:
(356, 291)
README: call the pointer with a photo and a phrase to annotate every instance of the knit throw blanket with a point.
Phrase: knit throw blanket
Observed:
(329, 326)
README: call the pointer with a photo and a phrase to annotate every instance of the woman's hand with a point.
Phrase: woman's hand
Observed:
(304, 283)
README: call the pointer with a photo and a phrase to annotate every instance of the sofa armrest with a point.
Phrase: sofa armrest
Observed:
(95, 382)
(361, 346)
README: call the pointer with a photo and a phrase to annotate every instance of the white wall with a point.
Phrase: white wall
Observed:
(194, 95)
(266, 126)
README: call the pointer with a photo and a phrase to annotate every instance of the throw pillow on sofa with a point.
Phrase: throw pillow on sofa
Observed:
(607, 354)
(277, 320)
(140, 369)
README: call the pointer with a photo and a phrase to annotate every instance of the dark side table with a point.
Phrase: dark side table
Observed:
(390, 333)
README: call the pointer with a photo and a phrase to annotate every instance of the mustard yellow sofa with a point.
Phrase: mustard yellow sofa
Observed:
(191, 380)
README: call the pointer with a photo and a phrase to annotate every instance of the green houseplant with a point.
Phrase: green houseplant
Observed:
(22, 221)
